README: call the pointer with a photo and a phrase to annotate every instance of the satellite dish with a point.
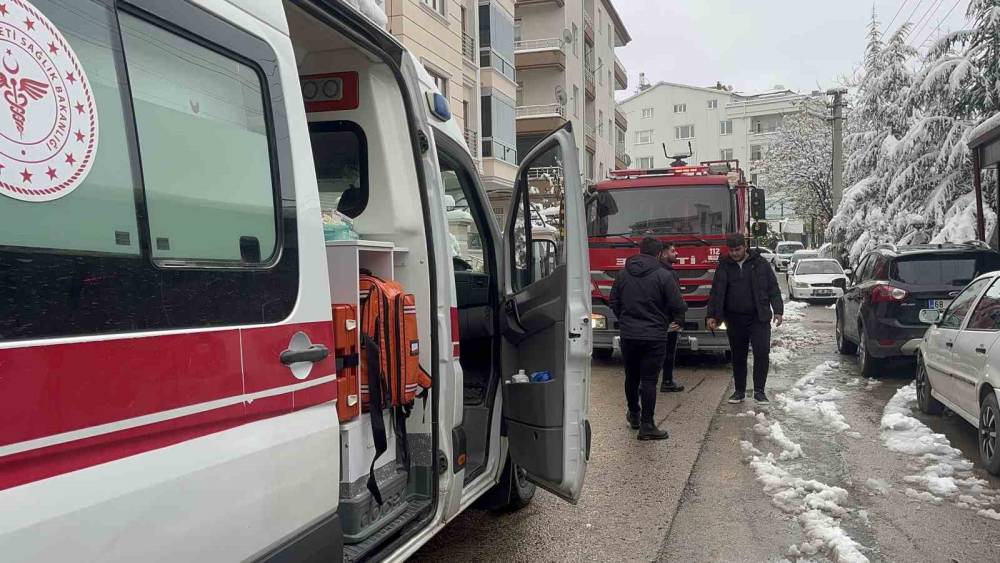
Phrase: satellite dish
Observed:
(560, 94)
(567, 36)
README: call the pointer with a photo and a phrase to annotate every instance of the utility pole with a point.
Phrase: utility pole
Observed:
(838, 144)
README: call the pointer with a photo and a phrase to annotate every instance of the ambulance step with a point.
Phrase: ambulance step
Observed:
(416, 508)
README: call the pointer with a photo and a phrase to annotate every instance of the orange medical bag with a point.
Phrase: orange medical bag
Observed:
(345, 345)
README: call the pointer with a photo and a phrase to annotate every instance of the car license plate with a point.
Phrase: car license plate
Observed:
(823, 292)
(939, 304)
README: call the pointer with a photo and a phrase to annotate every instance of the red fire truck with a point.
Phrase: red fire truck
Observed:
(691, 206)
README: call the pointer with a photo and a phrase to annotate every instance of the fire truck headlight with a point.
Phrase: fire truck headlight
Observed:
(722, 325)
(599, 322)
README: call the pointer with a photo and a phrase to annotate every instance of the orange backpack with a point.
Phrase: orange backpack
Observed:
(390, 371)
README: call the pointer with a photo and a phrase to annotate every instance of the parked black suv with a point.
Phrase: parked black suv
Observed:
(877, 317)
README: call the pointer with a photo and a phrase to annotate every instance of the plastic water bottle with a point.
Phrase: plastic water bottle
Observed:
(541, 377)
(519, 377)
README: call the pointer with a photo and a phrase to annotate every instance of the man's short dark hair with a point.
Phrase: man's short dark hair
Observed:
(650, 246)
(668, 245)
(734, 240)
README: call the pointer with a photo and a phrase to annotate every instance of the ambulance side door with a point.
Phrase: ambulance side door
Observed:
(546, 322)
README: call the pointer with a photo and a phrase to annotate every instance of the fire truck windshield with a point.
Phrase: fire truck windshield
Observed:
(681, 210)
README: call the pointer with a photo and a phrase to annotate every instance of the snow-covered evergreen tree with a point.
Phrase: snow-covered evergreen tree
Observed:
(798, 159)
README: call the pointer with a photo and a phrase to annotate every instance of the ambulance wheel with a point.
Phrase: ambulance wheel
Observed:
(520, 490)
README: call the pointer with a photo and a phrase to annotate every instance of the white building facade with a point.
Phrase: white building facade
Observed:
(716, 123)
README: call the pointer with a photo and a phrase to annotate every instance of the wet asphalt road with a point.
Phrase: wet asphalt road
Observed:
(695, 497)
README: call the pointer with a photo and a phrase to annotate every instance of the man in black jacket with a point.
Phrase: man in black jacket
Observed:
(745, 294)
(668, 258)
(646, 299)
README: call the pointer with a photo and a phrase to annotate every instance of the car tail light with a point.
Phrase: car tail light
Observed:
(885, 293)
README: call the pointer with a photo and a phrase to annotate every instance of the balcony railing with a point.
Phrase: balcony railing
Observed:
(469, 47)
(538, 44)
(472, 139)
(588, 24)
(544, 110)
(620, 153)
(548, 172)
(589, 130)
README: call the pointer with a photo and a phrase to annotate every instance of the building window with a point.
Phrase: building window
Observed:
(726, 154)
(436, 5)
(600, 77)
(519, 101)
(647, 113)
(680, 108)
(611, 131)
(590, 165)
(726, 127)
(439, 81)
(600, 124)
(644, 162)
(756, 152)
(754, 179)
(499, 136)
(600, 170)
(576, 33)
(576, 101)
(611, 38)
(713, 104)
(684, 132)
(611, 87)
(644, 137)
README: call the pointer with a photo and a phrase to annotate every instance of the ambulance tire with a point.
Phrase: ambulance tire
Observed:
(521, 490)
(512, 493)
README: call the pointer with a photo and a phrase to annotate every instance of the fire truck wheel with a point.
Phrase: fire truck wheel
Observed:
(603, 353)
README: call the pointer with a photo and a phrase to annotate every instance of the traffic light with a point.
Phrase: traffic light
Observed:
(757, 206)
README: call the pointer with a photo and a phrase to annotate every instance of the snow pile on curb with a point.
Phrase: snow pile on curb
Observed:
(817, 507)
(773, 432)
(787, 339)
(813, 402)
(945, 472)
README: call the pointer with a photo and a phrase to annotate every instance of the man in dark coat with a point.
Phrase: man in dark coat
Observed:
(668, 258)
(746, 296)
(646, 299)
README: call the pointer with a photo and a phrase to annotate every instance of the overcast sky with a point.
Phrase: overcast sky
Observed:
(756, 44)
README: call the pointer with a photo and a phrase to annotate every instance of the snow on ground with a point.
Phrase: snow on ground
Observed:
(795, 310)
(810, 401)
(773, 431)
(944, 473)
(818, 507)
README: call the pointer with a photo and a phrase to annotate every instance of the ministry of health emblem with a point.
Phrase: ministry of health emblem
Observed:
(48, 119)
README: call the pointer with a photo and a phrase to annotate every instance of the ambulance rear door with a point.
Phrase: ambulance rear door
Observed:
(546, 322)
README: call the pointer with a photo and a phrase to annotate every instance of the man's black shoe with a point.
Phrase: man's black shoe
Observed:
(671, 388)
(649, 431)
(633, 420)
(760, 397)
(737, 397)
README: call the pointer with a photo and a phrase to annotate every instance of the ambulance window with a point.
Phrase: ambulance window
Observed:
(204, 149)
(340, 153)
(98, 215)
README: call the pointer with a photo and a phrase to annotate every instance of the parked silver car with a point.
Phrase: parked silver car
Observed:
(959, 362)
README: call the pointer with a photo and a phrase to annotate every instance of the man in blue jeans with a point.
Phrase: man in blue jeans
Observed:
(647, 301)
(745, 294)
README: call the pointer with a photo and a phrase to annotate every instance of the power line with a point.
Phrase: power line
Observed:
(931, 33)
(909, 18)
(894, 17)
(926, 18)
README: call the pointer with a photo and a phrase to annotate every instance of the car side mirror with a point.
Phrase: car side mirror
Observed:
(931, 316)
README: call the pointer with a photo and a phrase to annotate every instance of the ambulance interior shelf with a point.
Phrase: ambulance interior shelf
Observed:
(361, 515)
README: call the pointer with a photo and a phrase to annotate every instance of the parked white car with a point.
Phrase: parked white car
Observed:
(816, 278)
(783, 253)
(959, 362)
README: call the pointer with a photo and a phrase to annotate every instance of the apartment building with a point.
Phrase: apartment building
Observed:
(567, 70)
(468, 47)
(716, 122)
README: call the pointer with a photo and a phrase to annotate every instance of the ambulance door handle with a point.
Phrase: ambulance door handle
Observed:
(312, 354)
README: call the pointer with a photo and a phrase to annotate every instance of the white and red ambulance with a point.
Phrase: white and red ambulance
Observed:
(170, 384)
